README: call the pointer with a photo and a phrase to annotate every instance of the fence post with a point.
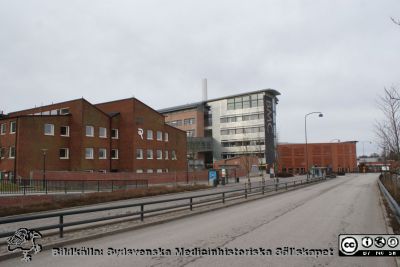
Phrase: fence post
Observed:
(286, 185)
(45, 183)
(223, 198)
(245, 192)
(65, 187)
(263, 189)
(141, 212)
(191, 203)
(98, 185)
(112, 185)
(276, 186)
(61, 226)
(24, 188)
(83, 186)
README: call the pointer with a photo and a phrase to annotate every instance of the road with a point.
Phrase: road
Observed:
(311, 217)
(256, 181)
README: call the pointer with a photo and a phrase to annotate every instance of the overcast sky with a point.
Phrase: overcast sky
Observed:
(322, 55)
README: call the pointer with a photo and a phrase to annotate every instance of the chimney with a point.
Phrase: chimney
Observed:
(205, 98)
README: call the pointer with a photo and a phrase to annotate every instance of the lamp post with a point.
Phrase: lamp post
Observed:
(305, 132)
(363, 143)
(44, 150)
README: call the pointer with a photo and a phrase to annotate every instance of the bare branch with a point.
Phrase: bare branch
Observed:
(395, 21)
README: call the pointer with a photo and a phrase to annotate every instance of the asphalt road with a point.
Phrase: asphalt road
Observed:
(310, 218)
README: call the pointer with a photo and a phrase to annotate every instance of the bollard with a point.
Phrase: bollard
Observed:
(191, 203)
(223, 198)
(141, 212)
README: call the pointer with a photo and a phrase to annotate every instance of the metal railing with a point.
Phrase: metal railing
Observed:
(182, 203)
(26, 186)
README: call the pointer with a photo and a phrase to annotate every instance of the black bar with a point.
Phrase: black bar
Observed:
(141, 212)
(191, 203)
(223, 198)
(61, 226)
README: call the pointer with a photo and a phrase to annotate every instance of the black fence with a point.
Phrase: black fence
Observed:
(25, 187)
(139, 210)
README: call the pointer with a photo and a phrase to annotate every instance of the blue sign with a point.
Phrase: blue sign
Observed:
(212, 175)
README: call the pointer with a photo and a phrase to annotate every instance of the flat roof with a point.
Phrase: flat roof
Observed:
(197, 104)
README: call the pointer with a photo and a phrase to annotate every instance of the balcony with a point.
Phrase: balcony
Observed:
(199, 144)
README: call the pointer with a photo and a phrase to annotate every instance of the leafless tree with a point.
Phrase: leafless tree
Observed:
(395, 21)
(387, 130)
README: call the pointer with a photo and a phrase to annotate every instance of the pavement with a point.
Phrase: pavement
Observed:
(307, 218)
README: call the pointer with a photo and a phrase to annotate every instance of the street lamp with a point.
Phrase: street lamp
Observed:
(305, 131)
(363, 142)
(44, 150)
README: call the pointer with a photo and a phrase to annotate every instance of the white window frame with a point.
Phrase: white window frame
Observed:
(139, 171)
(116, 153)
(105, 153)
(141, 153)
(159, 171)
(149, 135)
(91, 153)
(166, 156)
(117, 133)
(86, 130)
(161, 154)
(9, 152)
(3, 128)
(173, 155)
(159, 136)
(67, 134)
(105, 132)
(149, 171)
(11, 127)
(67, 153)
(151, 155)
(166, 136)
(51, 129)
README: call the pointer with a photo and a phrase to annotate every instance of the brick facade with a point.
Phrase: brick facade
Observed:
(124, 117)
(338, 156)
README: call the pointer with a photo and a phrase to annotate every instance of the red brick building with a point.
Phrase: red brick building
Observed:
(124, 135)
(340, 156)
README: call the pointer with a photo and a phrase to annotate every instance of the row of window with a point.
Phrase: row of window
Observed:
(13, 127)
(64, 131)
(61, 111)
(248, 101)
(159, 154)
(189, 121)
(152, 171)
(257, 116)
(243, 143)
(159, 135)
(257, 129)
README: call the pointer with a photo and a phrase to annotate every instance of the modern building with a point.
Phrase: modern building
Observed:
(339, 156)
(228, 127)
(119, 136)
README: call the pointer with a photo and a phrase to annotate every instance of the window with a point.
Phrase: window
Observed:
(166, 154)
(88, 153)
(64, 130)
(175, 123)
(139, 171)
(159, 154)
(189, 121)
(149, 135)
(64, 111)
(149, 154)
(13, 127)
(89, 131)
(173, 155)
(159, 136)
(102, 153)
(2, 152)
(231, 104)
(102, 132)
(3, 128)
(166, 170)
(64, 153)
(166, 137)
(114, 153)
(114, 134)
(48, 129)
(139, 153)
(11, 153)
(159, 170)
(149, 170)
(190, 133)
